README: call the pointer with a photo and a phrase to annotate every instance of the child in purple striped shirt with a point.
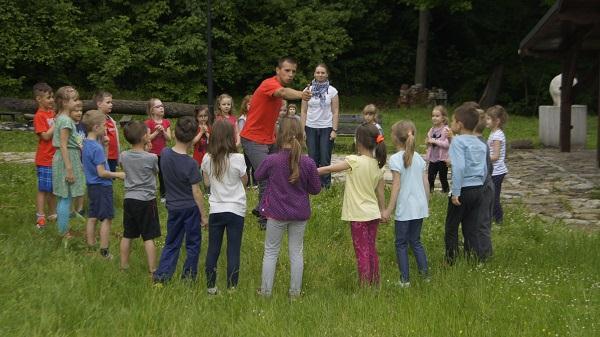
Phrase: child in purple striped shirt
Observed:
(290, 177)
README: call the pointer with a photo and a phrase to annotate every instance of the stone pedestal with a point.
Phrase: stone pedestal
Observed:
(549, 125)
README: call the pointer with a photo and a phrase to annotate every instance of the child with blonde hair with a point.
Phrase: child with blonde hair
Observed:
(364, 197)
(68, 180)
(371, 115)
(291, 176)
(409, 196)
(496, 118)
(437, 147)
(159, 129)
(224, 111)
(224, 172)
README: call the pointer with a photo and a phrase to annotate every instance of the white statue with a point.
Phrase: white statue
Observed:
(555, 88)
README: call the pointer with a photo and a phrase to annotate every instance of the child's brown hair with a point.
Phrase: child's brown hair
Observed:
(367, 135)
(467, 114)
(222, 143)
(370, 109)
(244, 104)
(134, 132)
(405, 132)
(290, 106)
(64, 94)
(497, 112)
(186, 129)
(219, 99)
(290, 133)
(481, 124)
(100, 95)
(41, 88)
(443, 111)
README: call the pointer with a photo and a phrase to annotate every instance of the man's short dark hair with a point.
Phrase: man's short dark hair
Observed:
(468, 115)
(41, 88)
(287, 59)
(134, 132)
(186, 129)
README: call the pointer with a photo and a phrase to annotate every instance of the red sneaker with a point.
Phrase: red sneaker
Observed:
(41, 222)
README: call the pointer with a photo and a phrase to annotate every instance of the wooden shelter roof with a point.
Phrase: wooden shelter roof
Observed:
(566, 23)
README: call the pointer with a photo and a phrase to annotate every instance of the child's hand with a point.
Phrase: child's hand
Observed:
(120, 175)
(385, 216)
(203, 220)
(70, 178)
(455, 200)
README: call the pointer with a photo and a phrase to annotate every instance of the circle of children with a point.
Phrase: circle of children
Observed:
(76, 152)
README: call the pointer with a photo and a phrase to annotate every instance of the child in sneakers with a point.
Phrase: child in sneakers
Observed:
(224, 172)
(437, 147)
(185, 204)
(409, 196)
(291, 177)
(43, 124)
(99, 178)
(160, 133)
(140, 213)
(496, 118)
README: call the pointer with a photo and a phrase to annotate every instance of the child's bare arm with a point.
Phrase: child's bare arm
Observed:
(47, 135)
(205, 179)
(167, 133)
(337, 167)
(495, 150)
(244, 179)
(104, 173)
(380, 194)
(386, 214)
(426, 186)
(64, 138)
(199, 199)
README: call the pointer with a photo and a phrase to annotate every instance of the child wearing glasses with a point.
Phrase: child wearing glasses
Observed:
(159, 133)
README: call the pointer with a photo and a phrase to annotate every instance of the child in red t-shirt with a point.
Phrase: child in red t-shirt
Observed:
(223, 111)
(200, 142)
(159, 130)
(104, 103)
(43, 123)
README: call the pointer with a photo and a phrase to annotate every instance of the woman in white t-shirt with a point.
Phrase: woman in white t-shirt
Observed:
(320, 119)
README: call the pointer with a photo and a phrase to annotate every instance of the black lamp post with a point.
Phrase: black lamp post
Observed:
(209, 64)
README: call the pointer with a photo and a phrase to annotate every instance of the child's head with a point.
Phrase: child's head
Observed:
(439, 115)
(404, 133)
(65, 99)
(465, 118)
(283, 108)
(291, 109)
(201, 114)
(370, 113)
(103, 101)
(368, 137)
(245, 106)
(94, 120)
(186, 129)
(43, 96)
(155, 108)
(136, 132)
(224, 105)
(77, 112)
(478, 130)
(222, 143)
(290, 135)
(496, 117)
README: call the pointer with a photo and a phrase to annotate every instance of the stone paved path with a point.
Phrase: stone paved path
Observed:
(553, 185)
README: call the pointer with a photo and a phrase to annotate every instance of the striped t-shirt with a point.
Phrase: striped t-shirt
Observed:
(499, 165)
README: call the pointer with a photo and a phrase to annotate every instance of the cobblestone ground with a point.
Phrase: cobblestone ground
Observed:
(551, 184)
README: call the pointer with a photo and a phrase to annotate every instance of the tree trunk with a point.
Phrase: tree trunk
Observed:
(492, 88)
(421, 62)
(172, 109)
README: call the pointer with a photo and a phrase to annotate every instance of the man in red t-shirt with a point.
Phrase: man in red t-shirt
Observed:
(258, 135)
(43, 124)
(104, 103)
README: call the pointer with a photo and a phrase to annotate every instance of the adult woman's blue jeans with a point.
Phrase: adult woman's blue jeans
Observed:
(409, 232)
(320, 147)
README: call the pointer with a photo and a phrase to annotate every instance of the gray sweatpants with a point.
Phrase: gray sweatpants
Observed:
(273, 238)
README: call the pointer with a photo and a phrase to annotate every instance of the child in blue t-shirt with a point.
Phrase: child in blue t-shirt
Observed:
(184, 204)
(409, 196)
(99, 182)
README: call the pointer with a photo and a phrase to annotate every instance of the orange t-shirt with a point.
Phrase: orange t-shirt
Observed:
(111, 132)
(263, 113)
(42, 122)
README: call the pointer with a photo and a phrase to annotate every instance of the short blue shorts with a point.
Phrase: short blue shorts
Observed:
(100, 202)
(44, 175)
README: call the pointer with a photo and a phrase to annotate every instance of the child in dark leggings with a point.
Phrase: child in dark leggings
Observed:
(437, 147)
(495, 120)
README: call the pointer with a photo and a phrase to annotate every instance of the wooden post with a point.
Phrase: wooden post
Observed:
(598, 112)
(566, 99)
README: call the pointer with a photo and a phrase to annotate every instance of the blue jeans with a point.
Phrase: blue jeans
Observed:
(409, 232)
(319, 149)
(217, 224)
(180, 222)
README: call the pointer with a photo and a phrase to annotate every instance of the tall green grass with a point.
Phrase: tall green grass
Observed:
(544, 280)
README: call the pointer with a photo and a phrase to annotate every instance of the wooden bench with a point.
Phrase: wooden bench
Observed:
(12, 114)
(124, 120)
(347, 124)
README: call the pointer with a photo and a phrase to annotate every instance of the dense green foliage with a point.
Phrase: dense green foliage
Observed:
(139, 49)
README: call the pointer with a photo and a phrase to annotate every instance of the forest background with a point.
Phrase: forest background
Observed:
(141, 49)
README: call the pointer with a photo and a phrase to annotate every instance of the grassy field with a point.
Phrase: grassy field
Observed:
(544, 279)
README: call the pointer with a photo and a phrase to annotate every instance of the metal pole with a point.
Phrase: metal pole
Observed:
(209, 63)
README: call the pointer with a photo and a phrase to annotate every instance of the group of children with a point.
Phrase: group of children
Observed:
(66, 163)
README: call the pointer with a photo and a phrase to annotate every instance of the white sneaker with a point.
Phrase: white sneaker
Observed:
(212, 291)
(163, 200)
(403, 284)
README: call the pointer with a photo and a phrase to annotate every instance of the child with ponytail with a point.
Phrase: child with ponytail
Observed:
(291, 176)
(409, 196)
(363, 198)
